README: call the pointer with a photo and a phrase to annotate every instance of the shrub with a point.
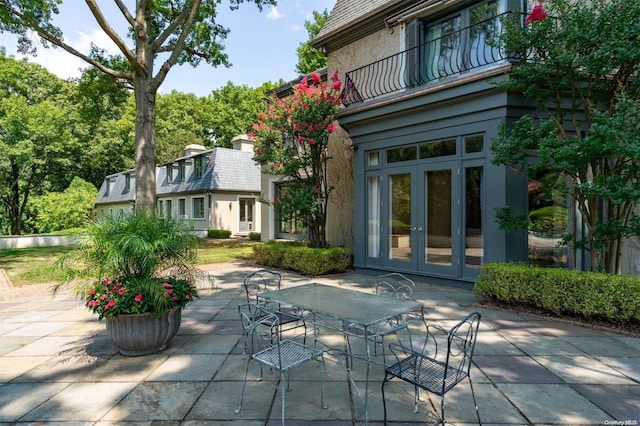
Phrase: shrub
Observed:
(218, 233)
(590, 295)
(300, 258)
(254, 236)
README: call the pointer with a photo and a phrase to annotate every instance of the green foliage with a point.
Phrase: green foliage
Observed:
(35, 137)
(139, 246)
(57, 211)
(187, 32)
(291, 141)
(218, 233)
(579, 69)
(231, 111)
(590, 295)
(309, 58)
(300, 258)
(255, 236)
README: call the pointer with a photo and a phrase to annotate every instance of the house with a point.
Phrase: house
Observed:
(417, 188)
(217, 188)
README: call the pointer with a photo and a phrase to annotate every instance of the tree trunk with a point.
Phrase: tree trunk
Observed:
(145, 148)
(145, 95)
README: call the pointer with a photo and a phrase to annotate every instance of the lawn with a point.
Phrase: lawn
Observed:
(35, 265)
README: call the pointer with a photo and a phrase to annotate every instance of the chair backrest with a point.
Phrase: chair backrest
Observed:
(261, 327)
(461, 342)
(395, 285)
(260, 281)
(386, 289)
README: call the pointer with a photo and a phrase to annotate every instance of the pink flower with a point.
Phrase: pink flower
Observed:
(332, 128)
(537, 14)
(138, 298)
(315, 77)
(109, 304)
(121, 291)
(187, 296)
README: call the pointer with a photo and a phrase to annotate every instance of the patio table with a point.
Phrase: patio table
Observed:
(351, 307)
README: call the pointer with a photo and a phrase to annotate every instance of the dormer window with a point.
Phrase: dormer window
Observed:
(107, 187)
(127, 183)
(182, 171)
(198, 166)
(170, 173)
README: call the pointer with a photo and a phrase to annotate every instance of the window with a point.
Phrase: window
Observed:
(289, 224)
(127, 183)
(182, 208)
(198, 208)
(161, 207)
(170, 173)
(107, 186)
(182, 171)
(198, 166)
(169, 211)
(454, 44)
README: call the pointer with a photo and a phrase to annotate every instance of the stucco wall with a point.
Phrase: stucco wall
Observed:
(26, 241)
(367, 50)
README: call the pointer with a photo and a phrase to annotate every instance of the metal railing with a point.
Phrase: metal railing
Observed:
(453, 53)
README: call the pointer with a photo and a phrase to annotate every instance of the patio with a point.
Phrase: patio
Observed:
(57, 367)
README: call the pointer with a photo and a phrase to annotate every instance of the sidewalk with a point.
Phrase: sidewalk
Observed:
(58, 368)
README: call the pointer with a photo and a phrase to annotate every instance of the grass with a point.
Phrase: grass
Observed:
(28, 266)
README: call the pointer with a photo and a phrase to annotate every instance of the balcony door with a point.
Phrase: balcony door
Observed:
(419, 218)
(432, 219)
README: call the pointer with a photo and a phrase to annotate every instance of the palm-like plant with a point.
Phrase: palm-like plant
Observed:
(141, 251)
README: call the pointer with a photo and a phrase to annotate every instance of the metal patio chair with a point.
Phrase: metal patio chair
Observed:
(264, 280)
(268, 348)
(388, 285)
(426, 371)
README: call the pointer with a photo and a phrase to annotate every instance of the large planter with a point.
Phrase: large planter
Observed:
(143, 334)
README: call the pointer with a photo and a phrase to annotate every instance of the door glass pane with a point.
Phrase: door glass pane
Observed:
(373, 216)
(438, 217)
(473, 251)
(400, 216)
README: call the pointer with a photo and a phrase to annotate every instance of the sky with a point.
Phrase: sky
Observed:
(261, 45)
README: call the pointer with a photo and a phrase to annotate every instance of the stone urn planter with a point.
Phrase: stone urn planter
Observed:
(143, 334)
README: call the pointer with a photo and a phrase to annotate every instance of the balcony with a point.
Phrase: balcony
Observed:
(453, 54)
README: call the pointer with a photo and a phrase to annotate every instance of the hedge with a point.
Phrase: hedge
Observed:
(590, 295)
(300, 258)
(218, 233)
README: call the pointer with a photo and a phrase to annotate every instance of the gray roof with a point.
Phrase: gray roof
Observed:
(117, 189)
(347, 14)
(224, 170)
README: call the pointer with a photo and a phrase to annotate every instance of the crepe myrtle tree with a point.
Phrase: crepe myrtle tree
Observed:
(579, 65)
(170, 31)
(291, 139)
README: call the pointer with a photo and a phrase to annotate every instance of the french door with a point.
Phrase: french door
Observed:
(431, 218)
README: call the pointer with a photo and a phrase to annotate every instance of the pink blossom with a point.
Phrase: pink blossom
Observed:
(138, 298)
(103, 296)
(121, 291)
(537, 14)
(109, 304)
(187, 296)
(315, 77)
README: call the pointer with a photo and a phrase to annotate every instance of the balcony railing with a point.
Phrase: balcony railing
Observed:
(453, 53)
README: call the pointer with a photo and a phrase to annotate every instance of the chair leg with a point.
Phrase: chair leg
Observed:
(474, 401)
(244, 385)
(324, 375)
(282, 391)
(384, 401)
(442, 409)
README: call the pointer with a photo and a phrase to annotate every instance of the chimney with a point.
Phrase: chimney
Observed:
(242, 143)
(193, 149)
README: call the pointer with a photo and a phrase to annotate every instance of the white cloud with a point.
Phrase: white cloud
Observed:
(62, 63)
(274, 14)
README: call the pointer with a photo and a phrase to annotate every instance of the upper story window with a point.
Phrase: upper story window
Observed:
(170, 173)
(107, 186)
(127, 183)
(198, 166)
(182, 171)
(459, 42)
